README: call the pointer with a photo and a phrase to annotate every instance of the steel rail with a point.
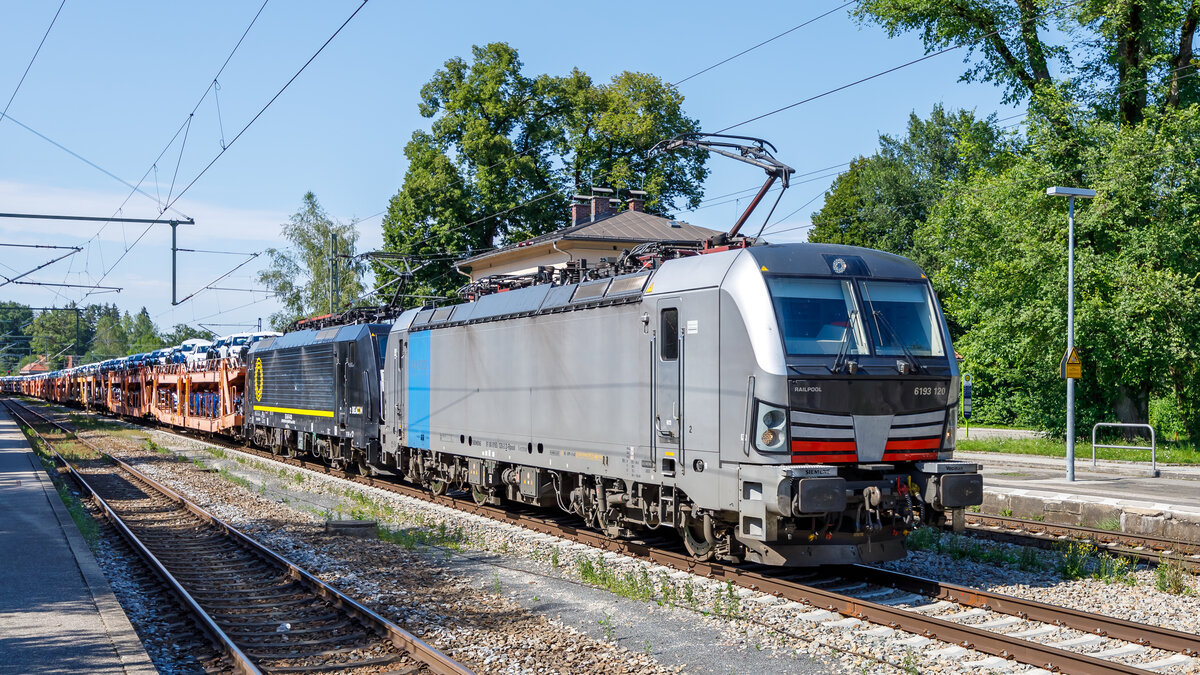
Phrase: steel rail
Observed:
(1080, 532)
(776, 583)
(224, 644)
(1118, 629)
(437, 662)
(1145, 548)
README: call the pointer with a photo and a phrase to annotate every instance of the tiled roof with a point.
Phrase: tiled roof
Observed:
(624, 226)
(35, 367)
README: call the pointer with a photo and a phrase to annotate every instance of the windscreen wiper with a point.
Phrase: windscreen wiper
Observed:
(843, 348)
(879, 317)
(912, 360)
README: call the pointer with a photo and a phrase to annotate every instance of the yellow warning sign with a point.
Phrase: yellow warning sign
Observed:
(1071, 368)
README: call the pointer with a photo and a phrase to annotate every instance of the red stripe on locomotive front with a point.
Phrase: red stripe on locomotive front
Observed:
(824, 459)
(916, 444)
(824, 451)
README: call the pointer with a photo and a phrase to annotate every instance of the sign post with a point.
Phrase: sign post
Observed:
(966, 401)
(1070, 194)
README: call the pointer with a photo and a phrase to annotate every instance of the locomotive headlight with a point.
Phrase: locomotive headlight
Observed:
(770, 434)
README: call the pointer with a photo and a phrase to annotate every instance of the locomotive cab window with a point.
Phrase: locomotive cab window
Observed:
(668, 334)
(817, 316)
(902, 316)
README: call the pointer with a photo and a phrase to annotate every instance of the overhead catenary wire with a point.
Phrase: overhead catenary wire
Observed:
(183, 128)
(764, 42)
(83, 159)
(210, 284)
(893, 69)
(31, 60)
(13, 280)
(240, 133)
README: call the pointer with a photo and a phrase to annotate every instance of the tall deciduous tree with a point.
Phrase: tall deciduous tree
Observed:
(1017, 59)
(881, 200)
(1138, 54)
(109, 339)
(142, 333)
(54, 335)
(505, 150)
(1003, 277)
(16, 320)
(300, 273)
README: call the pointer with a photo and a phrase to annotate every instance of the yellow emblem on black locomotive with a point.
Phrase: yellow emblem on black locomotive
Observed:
(258, 380)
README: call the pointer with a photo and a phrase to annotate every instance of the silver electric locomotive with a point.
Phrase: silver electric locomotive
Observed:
(787, 404)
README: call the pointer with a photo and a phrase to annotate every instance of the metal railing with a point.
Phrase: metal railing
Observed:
(1153, 443)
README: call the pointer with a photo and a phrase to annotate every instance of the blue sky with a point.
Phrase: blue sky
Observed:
(115, 81)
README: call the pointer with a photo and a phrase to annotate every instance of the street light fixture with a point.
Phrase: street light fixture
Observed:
(1070, 194)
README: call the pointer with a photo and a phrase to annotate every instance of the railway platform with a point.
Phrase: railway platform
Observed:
(1035, 487)
(57, 611)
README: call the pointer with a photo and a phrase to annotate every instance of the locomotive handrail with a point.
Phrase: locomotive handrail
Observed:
(1153, 443)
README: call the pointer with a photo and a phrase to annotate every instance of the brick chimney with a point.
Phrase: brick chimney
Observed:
(581, 209)
(636, 201)
(600, 202)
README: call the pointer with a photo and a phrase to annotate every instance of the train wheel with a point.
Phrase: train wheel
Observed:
(438, 487)
(693, 540)
(479, 495)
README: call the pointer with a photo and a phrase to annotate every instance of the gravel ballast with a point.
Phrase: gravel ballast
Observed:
(505, 600)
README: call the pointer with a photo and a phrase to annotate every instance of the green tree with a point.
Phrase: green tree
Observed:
(109, 339)
(1117, 113)
(1003, 243)
(300, 273)
(182, 332)
(16, 320)
(142, 333)
(505, 150)
(1136, 53)
(881, 200)
(54, 335)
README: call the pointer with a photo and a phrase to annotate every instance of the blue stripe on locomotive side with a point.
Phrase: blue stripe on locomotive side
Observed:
(418, 389)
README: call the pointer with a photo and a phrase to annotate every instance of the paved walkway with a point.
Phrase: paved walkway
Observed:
(57, 612)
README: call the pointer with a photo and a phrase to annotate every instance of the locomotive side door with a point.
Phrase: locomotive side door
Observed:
(667, 413)
(397, 396)
(341, 390)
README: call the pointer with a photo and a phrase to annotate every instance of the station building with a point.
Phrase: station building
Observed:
(599, 229)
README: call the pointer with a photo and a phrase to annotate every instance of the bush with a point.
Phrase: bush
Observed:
(1166, 418)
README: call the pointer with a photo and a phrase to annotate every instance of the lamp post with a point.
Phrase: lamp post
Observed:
(1070, 194)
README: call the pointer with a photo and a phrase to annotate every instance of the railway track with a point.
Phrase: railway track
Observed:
(1047, 637)
(1143, 548)
(264, 614)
